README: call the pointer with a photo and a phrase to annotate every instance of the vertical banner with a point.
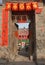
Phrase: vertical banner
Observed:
(4, 27)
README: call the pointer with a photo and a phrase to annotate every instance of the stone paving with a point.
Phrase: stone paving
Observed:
(21, 60)
(4, 62)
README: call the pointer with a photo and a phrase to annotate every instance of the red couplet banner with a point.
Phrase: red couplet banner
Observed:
(4, 27)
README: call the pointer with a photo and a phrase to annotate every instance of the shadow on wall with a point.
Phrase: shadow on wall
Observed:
(32, 37)
(43, 2)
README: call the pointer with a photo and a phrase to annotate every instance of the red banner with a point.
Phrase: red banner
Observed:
(4, 27)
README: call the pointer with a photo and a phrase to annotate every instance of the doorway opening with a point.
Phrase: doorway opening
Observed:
(25, 21)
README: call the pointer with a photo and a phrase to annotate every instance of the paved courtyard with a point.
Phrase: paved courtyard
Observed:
(20, 60)
(21, 63)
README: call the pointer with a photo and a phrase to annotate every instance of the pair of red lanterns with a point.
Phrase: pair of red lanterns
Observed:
(22, 6)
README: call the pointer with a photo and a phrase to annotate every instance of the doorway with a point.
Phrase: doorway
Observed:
(25, 47)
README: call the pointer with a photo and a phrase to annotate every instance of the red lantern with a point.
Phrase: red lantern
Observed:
(8, 6)
(35, 5)
(21, 6)
(28, 6)
(15, 6)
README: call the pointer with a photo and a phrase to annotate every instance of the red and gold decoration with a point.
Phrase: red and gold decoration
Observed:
(34, 5)
(15, 6)
(4, 27)
(8, 6)
(28, 6)
(21, 6)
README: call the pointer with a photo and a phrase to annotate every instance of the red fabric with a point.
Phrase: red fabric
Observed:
(38, 10)
(4, 27)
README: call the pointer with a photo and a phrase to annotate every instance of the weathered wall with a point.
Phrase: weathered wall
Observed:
(7, 52)
(3, 50)
(40, 33)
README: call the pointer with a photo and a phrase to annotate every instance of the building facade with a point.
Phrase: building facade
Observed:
(10, 51)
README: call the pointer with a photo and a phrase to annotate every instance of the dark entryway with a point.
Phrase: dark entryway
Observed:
(31, 49)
